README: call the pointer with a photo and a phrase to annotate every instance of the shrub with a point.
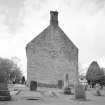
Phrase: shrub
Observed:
(67, 91)
(80, 91)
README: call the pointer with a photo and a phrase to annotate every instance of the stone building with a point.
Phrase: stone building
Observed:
(51, 55)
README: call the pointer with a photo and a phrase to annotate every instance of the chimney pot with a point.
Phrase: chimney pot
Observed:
(54, 18)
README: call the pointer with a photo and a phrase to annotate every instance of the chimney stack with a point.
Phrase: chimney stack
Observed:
(54, 18)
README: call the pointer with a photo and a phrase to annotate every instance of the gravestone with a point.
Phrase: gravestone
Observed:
(60, 84)
(66, 81)
(4, 92)
(33, 86)
(80, 91)
(98, 92)
(67, 89)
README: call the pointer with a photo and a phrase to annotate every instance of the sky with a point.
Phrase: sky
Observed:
(82, 20)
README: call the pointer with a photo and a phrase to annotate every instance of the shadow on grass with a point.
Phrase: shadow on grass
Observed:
(80, 99)
(33, 98)
(98, 95)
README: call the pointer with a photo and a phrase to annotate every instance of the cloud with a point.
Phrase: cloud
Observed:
(82, 20)
(92, 6)
(12, 11)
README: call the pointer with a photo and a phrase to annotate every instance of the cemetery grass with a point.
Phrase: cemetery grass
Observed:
(45, 96)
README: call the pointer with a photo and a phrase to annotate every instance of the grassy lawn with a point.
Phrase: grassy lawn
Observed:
(27, 97)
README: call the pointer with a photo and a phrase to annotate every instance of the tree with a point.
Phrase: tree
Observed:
(23, 80)
(9, 70)
(16, 73)
(5, 68)
(94, 74)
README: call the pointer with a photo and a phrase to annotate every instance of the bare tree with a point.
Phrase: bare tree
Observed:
(9, 70)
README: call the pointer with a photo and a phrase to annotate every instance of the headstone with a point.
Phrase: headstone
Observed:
(66, 81)
(4, 92)
(67, 89)
(51, 93)
(98, 93)
(80, 91)
(60, 84)
(33, 86)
